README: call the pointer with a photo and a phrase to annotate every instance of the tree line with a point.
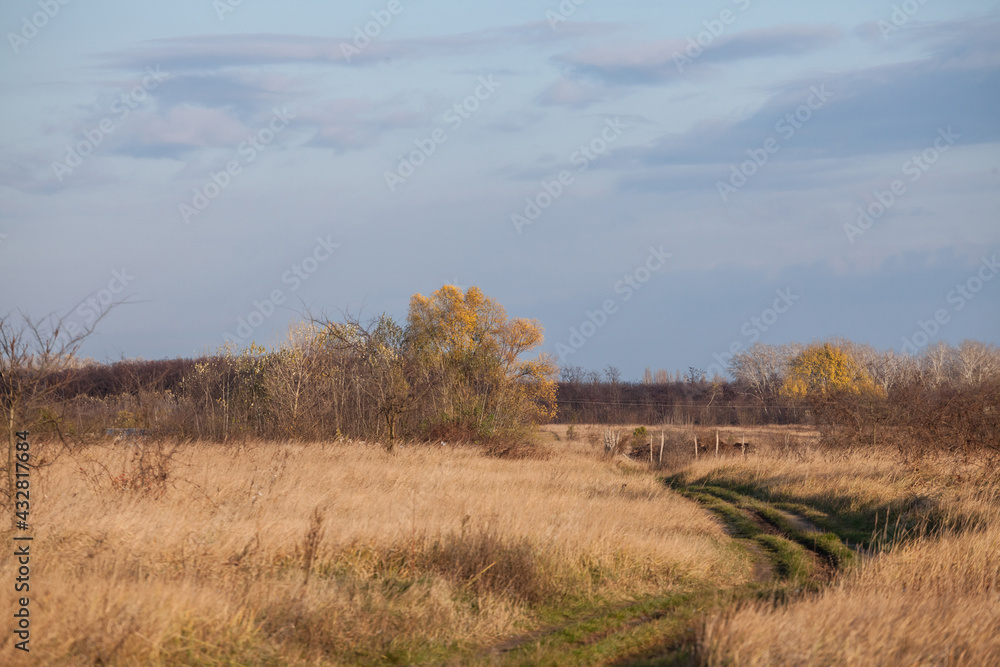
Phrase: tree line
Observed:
(456, 369)
(459, 370)
(946, 397)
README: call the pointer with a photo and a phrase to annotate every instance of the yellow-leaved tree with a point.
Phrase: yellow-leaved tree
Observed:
(824, 369)
(486, 389)
(845, 399)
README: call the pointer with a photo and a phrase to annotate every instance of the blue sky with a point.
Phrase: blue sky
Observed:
(656, 183)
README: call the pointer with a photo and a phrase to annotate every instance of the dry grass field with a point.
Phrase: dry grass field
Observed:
(340, 553)
(274, 553)
(932, 596)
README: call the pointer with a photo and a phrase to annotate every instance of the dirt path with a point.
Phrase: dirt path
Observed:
(799, 522)
(789, 553)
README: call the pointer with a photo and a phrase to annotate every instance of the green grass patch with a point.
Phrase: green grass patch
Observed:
(829, 545)
(739, 523)
(730, 504)
(790, 560)
(852, 521)
(654, 630)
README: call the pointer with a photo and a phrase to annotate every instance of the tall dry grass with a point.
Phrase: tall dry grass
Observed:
(272, 553)
(933, 597)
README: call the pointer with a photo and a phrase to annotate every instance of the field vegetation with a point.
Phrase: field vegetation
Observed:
(374, 492)
(342, 553)
(311, 553)
(925, 588)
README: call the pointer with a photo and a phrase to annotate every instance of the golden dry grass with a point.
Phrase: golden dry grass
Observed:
(405, 554)
(435, 552)
(931, 599)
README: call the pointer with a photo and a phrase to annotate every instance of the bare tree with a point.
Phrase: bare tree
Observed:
(37, 360)
(937, 364)
(761, 369)
(887, 368)
(977, 362)
(293, 380)
(371, 355)
(572, 374)
(694, 375)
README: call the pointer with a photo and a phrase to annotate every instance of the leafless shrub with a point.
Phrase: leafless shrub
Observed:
(612, 442)
(148, 469)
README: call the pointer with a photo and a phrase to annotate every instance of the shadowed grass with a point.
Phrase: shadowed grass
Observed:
(925, 595)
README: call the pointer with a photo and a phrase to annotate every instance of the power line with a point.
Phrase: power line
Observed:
(674, 405)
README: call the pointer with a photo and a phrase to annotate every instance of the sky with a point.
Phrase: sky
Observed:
(658, 184)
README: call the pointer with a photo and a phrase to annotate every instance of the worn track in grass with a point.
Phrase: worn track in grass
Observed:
(792, 556)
